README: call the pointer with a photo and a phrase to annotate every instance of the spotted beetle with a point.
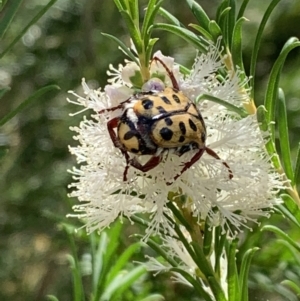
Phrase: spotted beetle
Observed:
(156, 121)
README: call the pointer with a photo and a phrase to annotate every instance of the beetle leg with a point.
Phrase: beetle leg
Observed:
(120, 106)
(150, 164)
(213, 154)
(170, 73)
(187, 165)
(111, 125)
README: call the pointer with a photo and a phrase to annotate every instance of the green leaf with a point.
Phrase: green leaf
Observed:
(232, 274)
(3, 91)
(202, 31)
(262, 119)
(122, 46)
(12, 8)
(121, 5)
(283, 235)
(149, 22)
(284, 136)
(51, 298)
(257, 43)
(169, 17)
(208, 236)
(122, 261)
(246, 261)
(224, 103)
(27, 102)
(133, 8)
(236, 44)
(199, 13)
(154, 297)
(272, 86)
(215, 30)
(151, 11)
(195, 284)
(32, 21)
(292, 286)
(231, 21)
(223, 23)
(150, 48)
(293, 209)
(297, 167)
(120, 284)
(2, 4)
(183, 33)
(133, 31)
(242, 9)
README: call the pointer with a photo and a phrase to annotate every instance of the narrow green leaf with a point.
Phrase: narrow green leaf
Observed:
(223, 23)
(12, 8)
(150, 21)
(297, 167)
(122, 46)
(270, 145)
(232, 273)
(272, 86)
(151, 11)
(32, 21)
(224, 103)
(216, 289)
(236, 44)
(246, 261)
(133, 7)
(120, 4)
(183, 33)
(169, 17)
(27, 102)
(292, 208)
(178, 215)
(215, 30)
(133, 31)
(284, 136)
(121, 283)
(199, 13)
(150, 48)
(2, 4)
(207, 238)
(231, 23)
(51, 298)
(158, 249)
(122, 261)
(222, 6)
(283, 235)
(154, 297)
(3, 91)
(220, 240)
(257, 42)
(242, 9)
(292, 286)
(202, 31)
(195, 284)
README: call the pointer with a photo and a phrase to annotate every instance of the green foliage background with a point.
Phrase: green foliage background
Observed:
(64, 46)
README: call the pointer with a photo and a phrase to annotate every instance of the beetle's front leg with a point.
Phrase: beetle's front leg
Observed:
(120, 106)
(150, 164)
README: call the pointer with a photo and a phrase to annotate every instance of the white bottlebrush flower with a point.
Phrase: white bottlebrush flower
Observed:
(238, 141)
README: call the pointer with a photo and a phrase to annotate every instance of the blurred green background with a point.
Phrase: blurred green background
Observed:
(64, 46)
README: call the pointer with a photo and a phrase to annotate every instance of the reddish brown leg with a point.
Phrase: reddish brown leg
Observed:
(187, 165)
(213, 154)
(153, 162)
(170, 73)
(120, 106)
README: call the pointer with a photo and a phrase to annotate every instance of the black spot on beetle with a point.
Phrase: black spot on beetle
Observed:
(168, 121)
(182, 127)
(176, 98)
(165, 100)
(147, 103)
(192, 125)
(181, 139)
(166, 134)
(161, 110)
(129, 135)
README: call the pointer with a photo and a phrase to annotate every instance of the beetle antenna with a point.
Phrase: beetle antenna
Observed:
(170, 73)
